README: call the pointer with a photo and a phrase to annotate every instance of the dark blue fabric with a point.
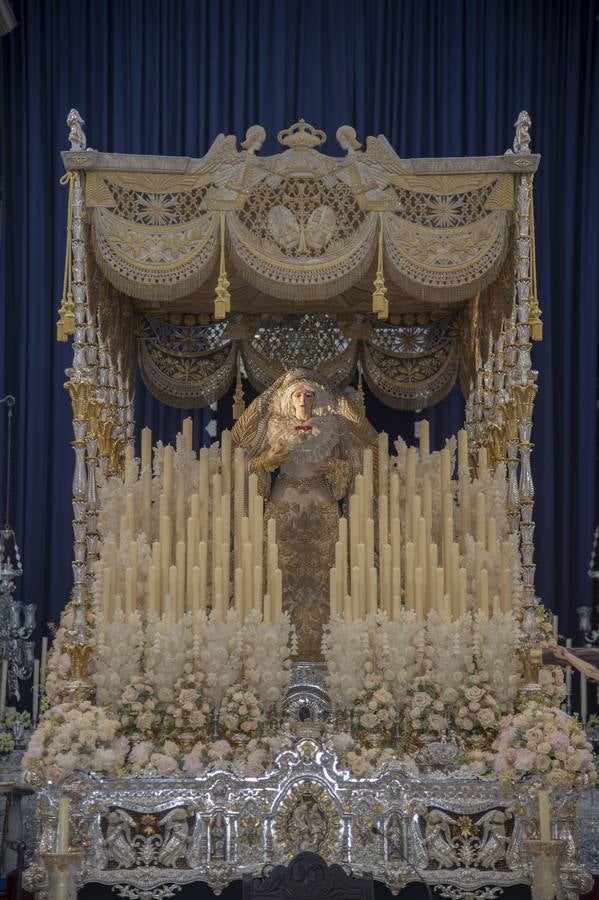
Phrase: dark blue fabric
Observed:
(437, 77)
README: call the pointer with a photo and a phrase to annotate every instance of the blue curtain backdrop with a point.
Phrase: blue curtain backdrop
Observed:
(437, 77)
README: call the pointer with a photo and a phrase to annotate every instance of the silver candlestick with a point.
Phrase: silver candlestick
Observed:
(17, 620)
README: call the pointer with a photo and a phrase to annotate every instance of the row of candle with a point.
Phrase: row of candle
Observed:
(192, 555)
(419, 572)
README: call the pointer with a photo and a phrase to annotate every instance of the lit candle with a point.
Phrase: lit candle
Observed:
(36, 691)
(544, 816)
(62, 830)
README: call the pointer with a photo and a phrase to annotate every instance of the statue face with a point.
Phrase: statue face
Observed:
(302, 401)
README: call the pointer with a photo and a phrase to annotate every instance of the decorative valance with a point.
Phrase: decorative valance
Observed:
(301, 247)
(408, 365)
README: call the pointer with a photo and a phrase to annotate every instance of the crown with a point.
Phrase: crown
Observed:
(301, 135)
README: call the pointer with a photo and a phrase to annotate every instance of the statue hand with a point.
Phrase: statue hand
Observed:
(325, 467)
(274, 456)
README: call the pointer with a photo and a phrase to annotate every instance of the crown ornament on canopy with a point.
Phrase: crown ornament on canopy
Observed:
(301, 136)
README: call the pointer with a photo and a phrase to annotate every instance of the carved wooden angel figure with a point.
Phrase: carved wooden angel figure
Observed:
(303, 439)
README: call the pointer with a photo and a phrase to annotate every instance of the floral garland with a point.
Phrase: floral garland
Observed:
(240, 713)
(547, 742)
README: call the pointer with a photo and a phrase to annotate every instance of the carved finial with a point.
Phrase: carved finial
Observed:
(347, 138)
(522, 138)
(76, 134)
(301, 136)
(254, 138)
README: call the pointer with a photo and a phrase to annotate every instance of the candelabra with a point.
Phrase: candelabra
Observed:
(17, 620)
(585, 613)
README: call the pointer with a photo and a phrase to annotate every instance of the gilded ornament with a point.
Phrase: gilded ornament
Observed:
(79, 392)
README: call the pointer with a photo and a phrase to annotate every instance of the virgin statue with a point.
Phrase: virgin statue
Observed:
(303, 439)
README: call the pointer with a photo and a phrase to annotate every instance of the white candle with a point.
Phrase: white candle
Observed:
(544, 816)
(62, 831)
(568, 672)
(556, 629)
(44, 662)
(462, 450)
(167, 470)
(483, 469)
(419, 593)
(146, 448)
(423, 437)
(383, 469)
(188, 433)
(584, 708)
(35, 688)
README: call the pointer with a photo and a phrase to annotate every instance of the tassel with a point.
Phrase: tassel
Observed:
(222, 302)
(534, 316)
(238, 399)
(380, 304)
(66, 313)
(360, 398)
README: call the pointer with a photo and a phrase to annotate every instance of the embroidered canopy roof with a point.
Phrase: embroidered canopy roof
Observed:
(293, 246)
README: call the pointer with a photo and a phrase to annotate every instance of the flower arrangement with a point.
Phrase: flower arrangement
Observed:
(240, 713)
(374, 711)
(7, 744)
(191, 712)
(543, 741)
(476, 716)
(139, 711)
(74, 735)
(425, 714)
